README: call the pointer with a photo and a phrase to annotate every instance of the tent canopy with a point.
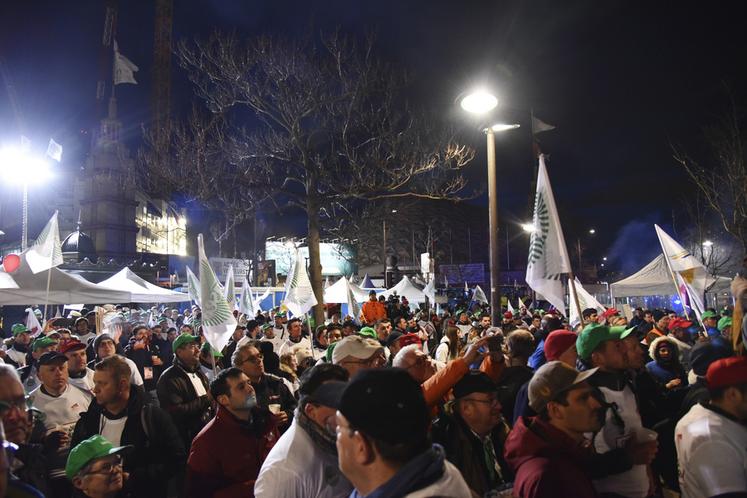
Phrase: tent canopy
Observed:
(141, 291)
(406, 288)
(654, 279)
(366, 283)
(338, 292)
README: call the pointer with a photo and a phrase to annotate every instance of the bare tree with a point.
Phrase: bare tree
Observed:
(315, 123)
(704, 239)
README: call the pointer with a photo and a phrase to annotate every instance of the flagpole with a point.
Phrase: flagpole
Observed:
(572, 280)
(312, 336)
(46, 299)
(671, 274)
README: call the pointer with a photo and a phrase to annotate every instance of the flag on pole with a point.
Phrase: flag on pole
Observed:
(46, 253)
(510, 308)
(299, 296)
(430, 291)
(218, 322)
(124, 68)
(522, 305)
(32, 322)
(230, 288)
(193, 287)
(586, 300)
(54, 150)
(686, 269)
(479, 295)
(264, 296)
(246, 301)
(548, 256)
(538, 126)
(58, 314)
(354, 309)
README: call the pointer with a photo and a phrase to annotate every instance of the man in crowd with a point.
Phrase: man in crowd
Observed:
(271, 391)
(79, 374)
(660, 326)
(355, 353)
(710, 321)
(373, 309)
(382, 439)
(104, 347)
(549, 453)
(383, 328)
(472, 431)
(95, 468)
(711, 439)
(183, 390)
(145, 356)
(82, 330)
(19, 347)
(29, 373)
(304, 460)
(121, 415)
(519, 347)
(227, 454)
(590, 315)
(296, 341)
(270, 334)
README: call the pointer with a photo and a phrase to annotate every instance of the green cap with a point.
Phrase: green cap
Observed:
(592, 336)
(622, 331)
(19, 328)
(708, 314)
(42, 342)
(329, 351)
(724, 322)
(183, 340)
(207, 347)
(92, 448)
(368, 332)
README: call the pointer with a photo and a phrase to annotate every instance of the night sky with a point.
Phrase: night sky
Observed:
(620, 80)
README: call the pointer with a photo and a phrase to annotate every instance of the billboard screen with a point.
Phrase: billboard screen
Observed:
(337, 259)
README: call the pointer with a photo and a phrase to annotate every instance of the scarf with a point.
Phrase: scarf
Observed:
(418, 473)
(319, 436)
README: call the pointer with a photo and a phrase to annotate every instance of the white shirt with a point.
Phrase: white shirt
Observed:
(197, 384)
(296, 468)
(711, 454)
(135, 377)
(293, 347)
(276, 342)
(112, 429)
(63, 411)
(17, 356)
(84, 383)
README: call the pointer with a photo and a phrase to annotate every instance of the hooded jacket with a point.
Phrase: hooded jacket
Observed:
(547, 462)
(664, 371)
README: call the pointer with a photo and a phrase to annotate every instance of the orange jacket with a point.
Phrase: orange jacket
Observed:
(372, 311)
(436, 388)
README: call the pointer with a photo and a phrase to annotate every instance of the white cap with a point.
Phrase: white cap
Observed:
(356, 346)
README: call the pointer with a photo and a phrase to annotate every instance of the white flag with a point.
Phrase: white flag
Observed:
(538, 126)
(6, 281)
(218, 322)
(430, 291)
(586, 300)
(548, 256)
(521, 305)
(686, 268)
(446, 282)
(230, 288)
(510, 308)
(32, 323)
(193, 287)
(479, 295)
(299, 296)
(54, 150)
(354, 309)
(46, 253)
(124, 68)
(246, 301)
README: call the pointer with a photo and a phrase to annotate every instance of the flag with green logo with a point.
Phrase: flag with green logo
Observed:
(218, 322)
(193, 287)
(299, 296)
(246, 301)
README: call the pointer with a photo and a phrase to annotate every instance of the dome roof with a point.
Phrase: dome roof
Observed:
(78, 242)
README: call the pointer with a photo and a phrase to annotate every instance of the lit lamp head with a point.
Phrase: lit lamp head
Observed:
(479, 102)
(18, 166)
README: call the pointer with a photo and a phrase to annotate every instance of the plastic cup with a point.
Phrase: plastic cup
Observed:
(274, 408)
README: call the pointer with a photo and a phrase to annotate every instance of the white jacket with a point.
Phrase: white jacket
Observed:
(451, 485)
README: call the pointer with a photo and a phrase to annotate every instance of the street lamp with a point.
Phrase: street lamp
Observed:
(481, 102)
(592, 231)
(20, 167)
(528, 227)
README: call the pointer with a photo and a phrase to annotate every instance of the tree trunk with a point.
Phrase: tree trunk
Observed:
(315, 263)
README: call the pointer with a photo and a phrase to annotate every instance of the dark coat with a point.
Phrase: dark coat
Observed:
(158, 452)
(272, 390)
(178, 398)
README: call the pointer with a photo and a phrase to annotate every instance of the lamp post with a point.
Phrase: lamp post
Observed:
(480, 103)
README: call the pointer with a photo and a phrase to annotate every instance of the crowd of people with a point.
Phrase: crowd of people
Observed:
(394, 403)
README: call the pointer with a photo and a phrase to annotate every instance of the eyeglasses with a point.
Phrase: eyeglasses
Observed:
(107, 467)
(489, 401)
(253, 359)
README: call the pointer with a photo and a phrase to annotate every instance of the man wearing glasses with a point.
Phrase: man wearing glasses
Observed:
(355, 353)
(95, 467)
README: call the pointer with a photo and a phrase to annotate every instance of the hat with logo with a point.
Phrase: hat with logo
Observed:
(19, 328)
(88, 450)
(42, 342)
(183, 340)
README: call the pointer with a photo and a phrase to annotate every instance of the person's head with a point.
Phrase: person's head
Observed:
(382, 423)
(562, 397)
(76, 356)
(21, 334)
(661, 320)
(320, 389)
(590, 315)
(43, 345)
(598, 346)
(52, 371)
(111, 380)
(104, 346)
(372, 296)
(648, 316)
(334, 334)
(551, 322)
(354, 353)
(727, 385)
(477, 402)
(186, 329)
(289, 360)
(321, 335)
(724, 326)
(249, 360)
(81, 326)
(348, 328)
(536, 321)
(187, 350)
(560, 345)
(95, 467)
(17, 420)
(485, 321)
(520, 344)
(393, 342)
(703, 354)
(710, 319)
(233, 390)
(664, 351)
(678, 328)
(400, 323)
(294, 328)
(415, 362)
(383, 329)
(634, 352)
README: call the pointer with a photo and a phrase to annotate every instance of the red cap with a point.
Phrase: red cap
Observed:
(679, 323)
(72, 345)
(610, 312)
(408, 339)
(730, 371)
(508, 314)
(558, 342)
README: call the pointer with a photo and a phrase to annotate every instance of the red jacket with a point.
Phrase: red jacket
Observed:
(226, 455)
(547, 462)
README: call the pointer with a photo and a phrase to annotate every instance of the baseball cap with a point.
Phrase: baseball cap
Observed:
(42, 342)
(367, 332)
(507, 315)
(408, 339)
(51, 357)
(393, 337)
(679, 323)
(183, 340)
(558, 342)
(387, 404)
(72, 345)
(207, 347)
(552, 379)
(708, 314)
(724, 322)
(610, 312)
(355, 346)
(593, 335)
(474, 382)
(705, 353)
(19, 328)
(90, 449)
(328, 394)
(727, 372)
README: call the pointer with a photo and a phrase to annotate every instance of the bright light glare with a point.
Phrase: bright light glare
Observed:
(707, 243)
(479, 102)
(592, 231)
(527, 227)
(19, 167)
(504, 127)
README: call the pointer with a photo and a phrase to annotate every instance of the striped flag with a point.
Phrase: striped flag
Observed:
(218, 322)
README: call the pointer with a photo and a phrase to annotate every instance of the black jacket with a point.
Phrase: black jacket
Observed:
(177, 396)
(272, 390)
(158, 452)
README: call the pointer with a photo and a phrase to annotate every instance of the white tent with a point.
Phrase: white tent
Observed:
(654, 279)
(406, 288)
(141, 291)
(338, 292)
